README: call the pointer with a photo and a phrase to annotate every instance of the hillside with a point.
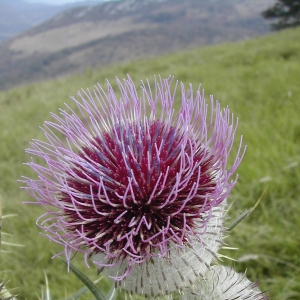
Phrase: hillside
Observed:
(259, 81)
(120, 31)
(17, 16)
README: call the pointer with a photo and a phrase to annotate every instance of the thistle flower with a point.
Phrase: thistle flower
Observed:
(4, 293)
(136, 187)
(223, 283)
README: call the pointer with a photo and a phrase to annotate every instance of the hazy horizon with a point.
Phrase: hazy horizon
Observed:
(60, 2)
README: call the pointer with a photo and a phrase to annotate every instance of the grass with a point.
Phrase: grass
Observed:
(259, 80)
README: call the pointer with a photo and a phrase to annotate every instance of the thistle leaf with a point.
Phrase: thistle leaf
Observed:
(81, 291)
(112, 294)
(246, 213)
(4, 293)
(47, 295)
(78, 294)
(88, 283)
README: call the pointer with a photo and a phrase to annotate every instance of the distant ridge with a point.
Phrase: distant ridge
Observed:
(17, 16)
(119, 31)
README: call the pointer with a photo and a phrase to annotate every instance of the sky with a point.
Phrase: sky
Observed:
(56, 2)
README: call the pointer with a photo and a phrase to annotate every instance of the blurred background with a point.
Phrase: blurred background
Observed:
(40, 40)
(244, 52)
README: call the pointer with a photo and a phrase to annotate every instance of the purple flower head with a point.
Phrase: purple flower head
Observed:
(136, 186)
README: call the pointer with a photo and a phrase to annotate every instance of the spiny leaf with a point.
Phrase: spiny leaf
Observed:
(112, 294)
(81, 291)
(4, 293)
(88, 283)
(77, 294)
(48, 295)
(247, 212)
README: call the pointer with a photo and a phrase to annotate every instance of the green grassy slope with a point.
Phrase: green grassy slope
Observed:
(259, 80)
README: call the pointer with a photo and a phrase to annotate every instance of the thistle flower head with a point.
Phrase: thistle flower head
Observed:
(223, 283)
(134, 185)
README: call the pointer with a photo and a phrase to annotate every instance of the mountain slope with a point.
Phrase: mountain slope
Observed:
(120, 31)
(17, 16)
